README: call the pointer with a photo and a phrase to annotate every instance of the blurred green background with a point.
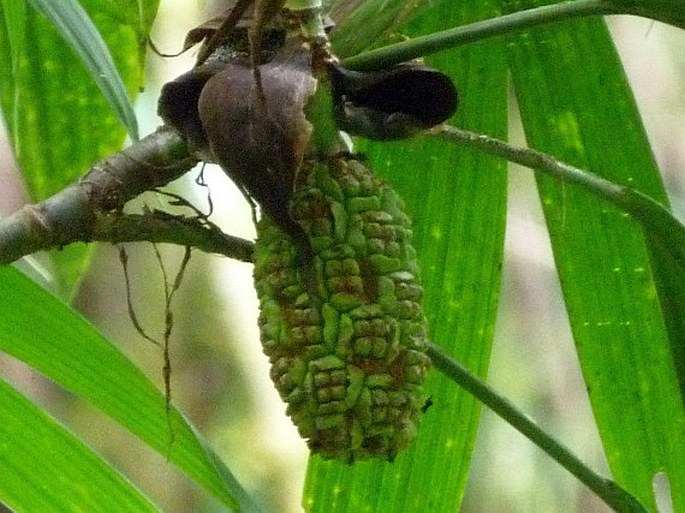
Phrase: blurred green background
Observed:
(220, 377)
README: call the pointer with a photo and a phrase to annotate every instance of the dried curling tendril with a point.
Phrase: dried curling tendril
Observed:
(344, 329)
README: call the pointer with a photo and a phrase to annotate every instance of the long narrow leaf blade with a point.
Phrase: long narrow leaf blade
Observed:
(378, 17)
(74, 24)
(575, 104)
(46, 334)
(45, 468)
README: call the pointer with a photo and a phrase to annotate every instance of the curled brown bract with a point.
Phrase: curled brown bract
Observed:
(393, 103)
(261, 141)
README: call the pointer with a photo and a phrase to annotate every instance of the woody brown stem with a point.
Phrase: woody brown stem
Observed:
(74, 213)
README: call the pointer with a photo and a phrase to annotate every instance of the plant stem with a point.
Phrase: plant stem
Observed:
(72, 214)
(655, 219)
(161, 227)
(478, 31)
(611, 493)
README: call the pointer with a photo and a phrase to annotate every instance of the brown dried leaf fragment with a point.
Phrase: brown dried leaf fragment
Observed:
(203, 32)
(255, 16)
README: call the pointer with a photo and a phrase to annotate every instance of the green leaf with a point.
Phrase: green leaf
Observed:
(576, 105)
(45, 468)
(73, 23)
(57, 132)
(58, 120)
(38, 329)
(457, 199)
(378, 17)
(15, 14)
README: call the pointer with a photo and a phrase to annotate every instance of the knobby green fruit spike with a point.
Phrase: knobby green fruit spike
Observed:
(343, 327)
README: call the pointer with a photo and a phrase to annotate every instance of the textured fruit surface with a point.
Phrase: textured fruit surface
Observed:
(344, 328)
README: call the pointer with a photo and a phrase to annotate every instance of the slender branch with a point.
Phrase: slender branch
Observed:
(162, 227)
(654, 218)
(610, 492)
(72, 214)
(478, 31)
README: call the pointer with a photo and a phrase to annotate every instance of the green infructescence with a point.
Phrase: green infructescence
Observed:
(344, 328)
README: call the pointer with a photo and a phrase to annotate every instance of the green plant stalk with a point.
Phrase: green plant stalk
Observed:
(502, 25)
(654, 218)
(610, 492)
